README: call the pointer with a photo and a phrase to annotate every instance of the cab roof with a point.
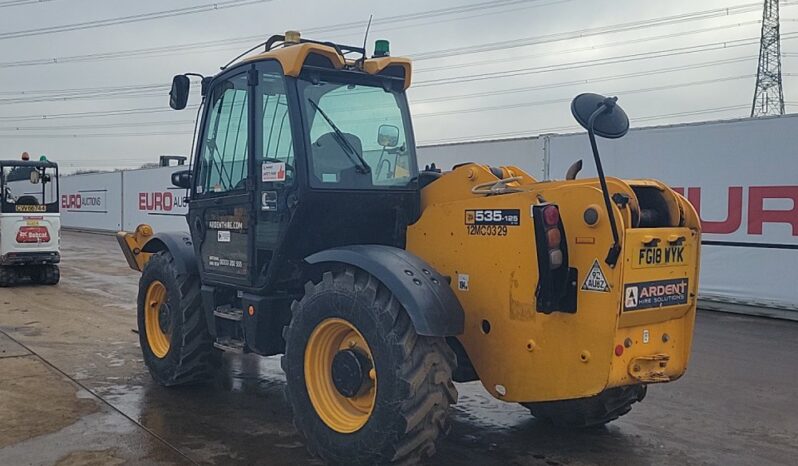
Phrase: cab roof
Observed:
(293, 56)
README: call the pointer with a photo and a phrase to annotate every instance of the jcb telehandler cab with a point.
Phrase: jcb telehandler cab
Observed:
(30, 224)
(314, 234)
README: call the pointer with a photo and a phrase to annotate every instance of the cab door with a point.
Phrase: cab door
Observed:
(276, 167)
(220, 215)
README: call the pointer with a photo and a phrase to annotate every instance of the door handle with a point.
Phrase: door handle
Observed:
(198, 226)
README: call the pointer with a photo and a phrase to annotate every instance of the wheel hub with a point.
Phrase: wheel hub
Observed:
(350, 372)
(163, 318)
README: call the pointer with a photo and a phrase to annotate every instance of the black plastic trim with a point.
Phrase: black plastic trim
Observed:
(179, 244)
(422, 291)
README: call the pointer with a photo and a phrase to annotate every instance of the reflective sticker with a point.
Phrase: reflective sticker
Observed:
(268, 200)
(595, 279)
(462, 281)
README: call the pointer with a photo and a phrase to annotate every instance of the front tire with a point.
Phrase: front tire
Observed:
(593, 411)
(365, 388)
(173, 331)
(8, 276)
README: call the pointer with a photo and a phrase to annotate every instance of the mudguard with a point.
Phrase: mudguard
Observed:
(181, 247)
(422, 291)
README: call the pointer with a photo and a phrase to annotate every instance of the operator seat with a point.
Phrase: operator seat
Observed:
(331, 164)
(27, 200)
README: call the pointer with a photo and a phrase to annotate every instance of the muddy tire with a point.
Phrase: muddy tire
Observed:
(8, 276)
(593, 411)
(173, 331)
(401, 407)
(49, 275)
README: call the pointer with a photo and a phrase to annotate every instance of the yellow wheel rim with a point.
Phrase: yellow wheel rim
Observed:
(340, 413)
(156, 319)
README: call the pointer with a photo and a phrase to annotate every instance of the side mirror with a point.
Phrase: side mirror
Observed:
(388, 136)
(178, 96)
(35, 177)
(602, 116)
(182, 179)
(611, 122)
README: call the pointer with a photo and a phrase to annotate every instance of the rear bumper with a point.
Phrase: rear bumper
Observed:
(30, 258)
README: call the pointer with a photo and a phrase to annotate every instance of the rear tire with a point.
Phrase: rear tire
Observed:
(8, 276)
(412, 378)
(49, 274)
(593, 411)
(176, 345)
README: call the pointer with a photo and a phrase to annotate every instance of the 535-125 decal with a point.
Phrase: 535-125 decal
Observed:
(491, 222)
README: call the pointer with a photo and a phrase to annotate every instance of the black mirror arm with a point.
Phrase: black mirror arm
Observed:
(615, 249)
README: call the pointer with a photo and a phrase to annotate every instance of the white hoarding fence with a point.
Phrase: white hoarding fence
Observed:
(527, 153)
(150, 198)
(742, 177)
(92, 201)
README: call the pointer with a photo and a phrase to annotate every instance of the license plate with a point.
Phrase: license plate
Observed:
(659, 256)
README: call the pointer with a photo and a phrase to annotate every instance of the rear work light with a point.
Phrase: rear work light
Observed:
(556, 290)
(33, 235)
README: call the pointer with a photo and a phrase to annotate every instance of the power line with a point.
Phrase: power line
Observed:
(534, 40)
(99, 126)
(579, 82)
(172, 49)
(483, 108)
(582, 33)
(152, 90)
(474, 138)
(597, 61)
(589, 48)
(537, 132)
(92, 114)
(129, 19)
(10, 3)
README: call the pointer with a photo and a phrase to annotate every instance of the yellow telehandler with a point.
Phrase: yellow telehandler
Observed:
(313, 233)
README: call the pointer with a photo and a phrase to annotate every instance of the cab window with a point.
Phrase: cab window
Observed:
(275, 148)
(224, 153)
(349, 122)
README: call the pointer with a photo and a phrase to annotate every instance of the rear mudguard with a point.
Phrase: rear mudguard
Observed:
(181, 247)
(423, 292)
(140, 245)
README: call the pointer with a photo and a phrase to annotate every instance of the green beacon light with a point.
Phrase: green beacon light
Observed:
(381, 48)
(42, 158)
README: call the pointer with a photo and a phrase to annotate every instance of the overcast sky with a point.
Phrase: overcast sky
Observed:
(663, 73)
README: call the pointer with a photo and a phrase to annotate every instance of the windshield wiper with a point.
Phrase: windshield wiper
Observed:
(360, 162)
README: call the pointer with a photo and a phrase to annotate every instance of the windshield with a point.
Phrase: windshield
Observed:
(359, 136)
(27, 188)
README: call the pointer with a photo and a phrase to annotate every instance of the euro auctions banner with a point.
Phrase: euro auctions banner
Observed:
(92, 202)
(742, 177)
(150, 198)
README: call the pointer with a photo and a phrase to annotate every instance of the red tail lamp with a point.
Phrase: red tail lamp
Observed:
(551, 215)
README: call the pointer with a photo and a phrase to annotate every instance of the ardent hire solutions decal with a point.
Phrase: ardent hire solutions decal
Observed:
(646, 295)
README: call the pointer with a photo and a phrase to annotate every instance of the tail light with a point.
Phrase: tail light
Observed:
(29, 234)
(556, 290)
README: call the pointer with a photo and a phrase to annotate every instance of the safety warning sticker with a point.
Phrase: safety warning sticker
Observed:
(646, 295)
(595, 279)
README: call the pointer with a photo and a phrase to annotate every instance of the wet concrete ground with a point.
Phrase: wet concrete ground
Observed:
(74, 391)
